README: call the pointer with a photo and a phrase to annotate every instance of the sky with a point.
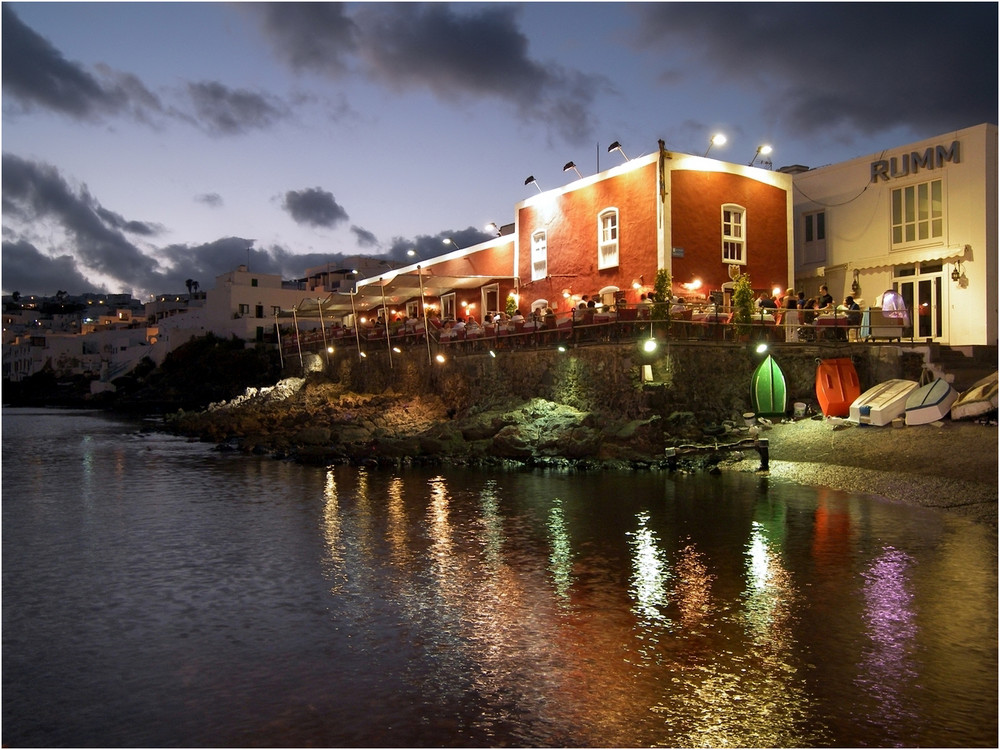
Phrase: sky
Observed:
(147, 144)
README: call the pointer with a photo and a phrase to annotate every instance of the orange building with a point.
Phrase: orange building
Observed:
(607, 235)
(701, 219)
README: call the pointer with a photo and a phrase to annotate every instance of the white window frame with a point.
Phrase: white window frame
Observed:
(448, 305)
(484, 297)
(916, 214)
(734, 230)
(814, 247)
(607, 238)
(539, 255)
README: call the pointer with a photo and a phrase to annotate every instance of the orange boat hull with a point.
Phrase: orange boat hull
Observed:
(837, 386)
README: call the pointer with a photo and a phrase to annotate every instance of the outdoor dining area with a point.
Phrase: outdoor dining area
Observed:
(542, 328)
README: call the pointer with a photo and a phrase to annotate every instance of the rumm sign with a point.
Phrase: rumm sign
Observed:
(934, 157)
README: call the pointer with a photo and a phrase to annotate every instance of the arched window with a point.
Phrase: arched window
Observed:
(607, 238)
(734, 234)
(539, 256)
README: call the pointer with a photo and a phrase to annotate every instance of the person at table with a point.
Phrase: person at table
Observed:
(792, 317)
(766, 302)
(517, 317)
(678, 306)
(644, 306)
(809, 311)
(853, 310)
(825, 301)
(458, 325)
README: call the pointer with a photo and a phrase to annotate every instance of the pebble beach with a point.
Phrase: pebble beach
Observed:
(948, 465)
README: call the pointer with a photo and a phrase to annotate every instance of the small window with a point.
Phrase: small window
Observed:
(733, 234)
(244, 309)
(607, 238)
(253, 282)
(539, 256)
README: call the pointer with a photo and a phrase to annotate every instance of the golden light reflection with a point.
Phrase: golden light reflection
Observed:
(332, 534)
(693, 591)
(396, 533)
(560, 554)
(492, 523)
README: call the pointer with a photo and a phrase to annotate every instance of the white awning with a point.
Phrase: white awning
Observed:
(909, 257)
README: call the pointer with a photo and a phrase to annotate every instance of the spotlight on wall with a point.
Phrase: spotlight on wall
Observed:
(616, 146)
(532, 181)
(571, 165)
(717, 140)
(763, 149)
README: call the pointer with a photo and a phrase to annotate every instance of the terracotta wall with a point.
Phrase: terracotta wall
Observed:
(570, 220)
(696, 222)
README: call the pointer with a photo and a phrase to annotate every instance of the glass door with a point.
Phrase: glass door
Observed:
(920, 287)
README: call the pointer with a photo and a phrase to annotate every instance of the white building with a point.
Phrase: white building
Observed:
(920, 219)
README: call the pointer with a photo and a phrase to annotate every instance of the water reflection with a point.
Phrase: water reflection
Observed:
(887, 670)
(286, 605)
(560, 556)
(650, 573)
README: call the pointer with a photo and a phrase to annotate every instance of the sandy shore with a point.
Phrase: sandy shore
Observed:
(951, 465)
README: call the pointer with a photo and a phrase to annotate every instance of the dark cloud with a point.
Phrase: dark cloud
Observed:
(430, 246)
(832, 66)
(30, 271)
(37, 192)
(212, 200)
(36, 74)
(479, 52)
(221, 110)
(314, 207)
(310, 36)
(364, 237)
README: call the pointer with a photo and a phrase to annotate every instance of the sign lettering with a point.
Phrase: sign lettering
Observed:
(934, 157)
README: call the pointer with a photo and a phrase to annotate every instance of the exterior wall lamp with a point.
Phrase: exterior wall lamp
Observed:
(532, 181)
(450, 241)
(571, 165)
(616, 146)
(716, 140)
(956, 272)
(763, 149)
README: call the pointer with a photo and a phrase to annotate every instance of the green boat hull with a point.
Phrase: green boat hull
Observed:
(768, 392)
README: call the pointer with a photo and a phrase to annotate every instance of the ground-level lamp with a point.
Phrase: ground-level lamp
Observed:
(716, 140)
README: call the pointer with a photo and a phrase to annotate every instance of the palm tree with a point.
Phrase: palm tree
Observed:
(189, 283)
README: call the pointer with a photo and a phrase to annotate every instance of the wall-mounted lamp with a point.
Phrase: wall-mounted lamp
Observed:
(492, 227)
(717, 140)
(764, 149)
(570, 165)
(450, 241)
(856, 283)
(532, 181)
(616, 146)
(956, 272)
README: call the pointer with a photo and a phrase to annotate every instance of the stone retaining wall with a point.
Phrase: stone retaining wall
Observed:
(711, 380)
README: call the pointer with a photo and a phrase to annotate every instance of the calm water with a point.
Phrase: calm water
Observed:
(156, 592)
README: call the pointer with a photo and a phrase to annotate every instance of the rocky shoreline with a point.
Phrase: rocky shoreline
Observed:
(949, 465)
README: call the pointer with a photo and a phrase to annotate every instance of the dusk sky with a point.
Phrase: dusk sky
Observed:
(149, 143)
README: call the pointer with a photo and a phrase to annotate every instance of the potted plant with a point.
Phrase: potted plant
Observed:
(743, 304)
(661, 295)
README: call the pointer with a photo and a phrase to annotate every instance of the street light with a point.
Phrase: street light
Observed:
(717, 140)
